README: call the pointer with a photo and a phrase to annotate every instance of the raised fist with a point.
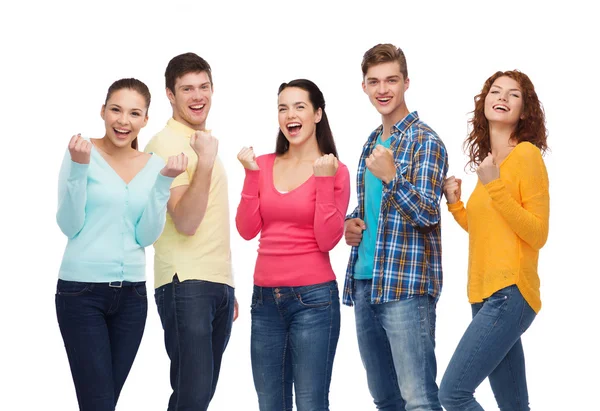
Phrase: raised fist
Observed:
(175, 166)
(325, 166)
(247, 157)
(80, 149)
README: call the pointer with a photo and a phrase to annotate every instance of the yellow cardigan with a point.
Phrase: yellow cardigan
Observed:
(507, 222)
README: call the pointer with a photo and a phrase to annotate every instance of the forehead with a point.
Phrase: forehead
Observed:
(292, 95)
(193, 79)
(506, 82)
(127, 98)
(384, 70)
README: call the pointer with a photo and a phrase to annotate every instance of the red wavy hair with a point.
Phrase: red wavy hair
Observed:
(532, 126)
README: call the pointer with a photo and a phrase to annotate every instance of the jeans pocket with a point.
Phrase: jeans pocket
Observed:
(315, 297)
(71, 288)
(140, 290)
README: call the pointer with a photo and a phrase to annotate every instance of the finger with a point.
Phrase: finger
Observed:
(73, 141)
(79, 144)
(184, 163)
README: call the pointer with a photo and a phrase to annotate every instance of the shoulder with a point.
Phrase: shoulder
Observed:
(265, 159)
(423, 134)
(166, 143)
(527, 150)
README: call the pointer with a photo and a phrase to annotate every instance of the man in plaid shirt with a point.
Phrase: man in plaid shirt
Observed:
(394, 275)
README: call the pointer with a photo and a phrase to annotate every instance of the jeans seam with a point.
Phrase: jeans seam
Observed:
(287, 337)
(177, 384)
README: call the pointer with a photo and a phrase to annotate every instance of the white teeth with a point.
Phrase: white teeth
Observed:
(384, 99)
(294, 125)
(501, 107)
(198, 106)
(121, 131)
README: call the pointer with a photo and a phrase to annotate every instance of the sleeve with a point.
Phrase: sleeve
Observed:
(248, 219)
(332, 197)
(72, 196)
(530, 219)
(418, 202)
(460, 214)
(152, 222)
(183, 179)
(353, 214)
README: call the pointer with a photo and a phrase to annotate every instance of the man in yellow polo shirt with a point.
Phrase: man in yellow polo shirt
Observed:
(192, 264)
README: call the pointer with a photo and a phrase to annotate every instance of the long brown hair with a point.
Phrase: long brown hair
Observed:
(531, 126)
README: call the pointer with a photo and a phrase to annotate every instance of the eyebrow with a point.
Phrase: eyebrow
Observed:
(118, 106)
(295, 104)
(387, 78)
(191, 85)
(512, 89)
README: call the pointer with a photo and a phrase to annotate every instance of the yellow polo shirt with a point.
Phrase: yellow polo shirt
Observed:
(507, 221)
(207, 254)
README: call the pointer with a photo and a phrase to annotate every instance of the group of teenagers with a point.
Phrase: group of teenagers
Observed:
(114, 200)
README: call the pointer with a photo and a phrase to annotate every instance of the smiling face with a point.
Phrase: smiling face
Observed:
(385, 85)
(504, 102)
(124, 115)
(191, 99)
(297, 116)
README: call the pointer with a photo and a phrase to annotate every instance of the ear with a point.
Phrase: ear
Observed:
(364, 87)
(102, 111)
(170, 95)
(406, 84)
(318, 115)
(145, 121)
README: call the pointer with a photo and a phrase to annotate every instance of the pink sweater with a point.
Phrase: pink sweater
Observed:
(298, 228)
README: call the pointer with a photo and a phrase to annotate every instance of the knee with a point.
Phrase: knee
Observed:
(450, 398)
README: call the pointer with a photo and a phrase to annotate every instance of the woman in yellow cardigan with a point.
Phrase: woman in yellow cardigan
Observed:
(507, 221)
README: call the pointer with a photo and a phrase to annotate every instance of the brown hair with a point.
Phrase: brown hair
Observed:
(384, 53)
(531, 126)
(131, 84)
(183, 64)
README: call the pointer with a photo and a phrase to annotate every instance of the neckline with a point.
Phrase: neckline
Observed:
(272, 180)
(114, 172)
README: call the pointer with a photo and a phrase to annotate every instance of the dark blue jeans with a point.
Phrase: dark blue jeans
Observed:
(196, 317)
(102, 327)
(397, 346)
(295, 332)
(491, 348)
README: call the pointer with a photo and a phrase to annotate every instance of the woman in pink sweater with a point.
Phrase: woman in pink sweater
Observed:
(507, 221)
(297, 199)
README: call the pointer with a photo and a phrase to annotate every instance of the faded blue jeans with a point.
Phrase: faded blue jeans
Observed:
(397, 346)
(491, 348)
(295, 332)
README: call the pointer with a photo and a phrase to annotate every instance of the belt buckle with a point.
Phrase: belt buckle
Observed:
(116, 284)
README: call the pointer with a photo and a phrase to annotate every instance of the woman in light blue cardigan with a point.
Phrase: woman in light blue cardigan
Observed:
(112, 203)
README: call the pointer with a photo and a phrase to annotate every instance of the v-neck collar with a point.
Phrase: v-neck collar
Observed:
(114, 172)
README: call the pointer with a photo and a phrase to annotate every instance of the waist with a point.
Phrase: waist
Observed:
(293, 270)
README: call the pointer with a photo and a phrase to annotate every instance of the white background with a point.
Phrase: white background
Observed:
(58, 60)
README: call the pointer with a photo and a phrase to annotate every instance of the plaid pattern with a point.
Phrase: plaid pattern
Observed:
(408, 252)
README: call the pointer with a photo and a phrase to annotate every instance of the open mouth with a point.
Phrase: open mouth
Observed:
(501, 108)
(121, 133)
(383, 100)
(293, 128)
(197, 108)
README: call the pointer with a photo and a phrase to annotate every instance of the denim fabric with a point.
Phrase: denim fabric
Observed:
(295, 332)
(491, 347)
(102, 328)
(196, 317)
(397, 346)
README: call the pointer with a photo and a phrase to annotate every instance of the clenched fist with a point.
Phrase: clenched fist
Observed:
(205, 146)
(452, 189)
(381, 164)
(325, 166)
(175, 166)
(488, 170)
(80, 149)
(247, 157)
(353, 229)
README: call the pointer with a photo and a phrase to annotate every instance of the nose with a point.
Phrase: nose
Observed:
(502, 97)
(381, 87)
(122, 118)
(291, 113)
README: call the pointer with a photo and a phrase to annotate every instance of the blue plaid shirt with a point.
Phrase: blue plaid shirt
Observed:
(408, 250)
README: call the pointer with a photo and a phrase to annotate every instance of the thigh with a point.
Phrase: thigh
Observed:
(375, 351)
(496, 327)
(271, 359)
(410, 328)
(126, 328)
(82, 320)
(313, 336)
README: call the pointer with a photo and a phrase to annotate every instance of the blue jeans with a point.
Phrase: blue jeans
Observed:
(196, 317)
(295, 332)
(397, 346)
(102, 327)
(491, 347)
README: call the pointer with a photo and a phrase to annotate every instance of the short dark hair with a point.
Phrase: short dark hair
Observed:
(183, 64)
(131, 84)
(323, 132)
